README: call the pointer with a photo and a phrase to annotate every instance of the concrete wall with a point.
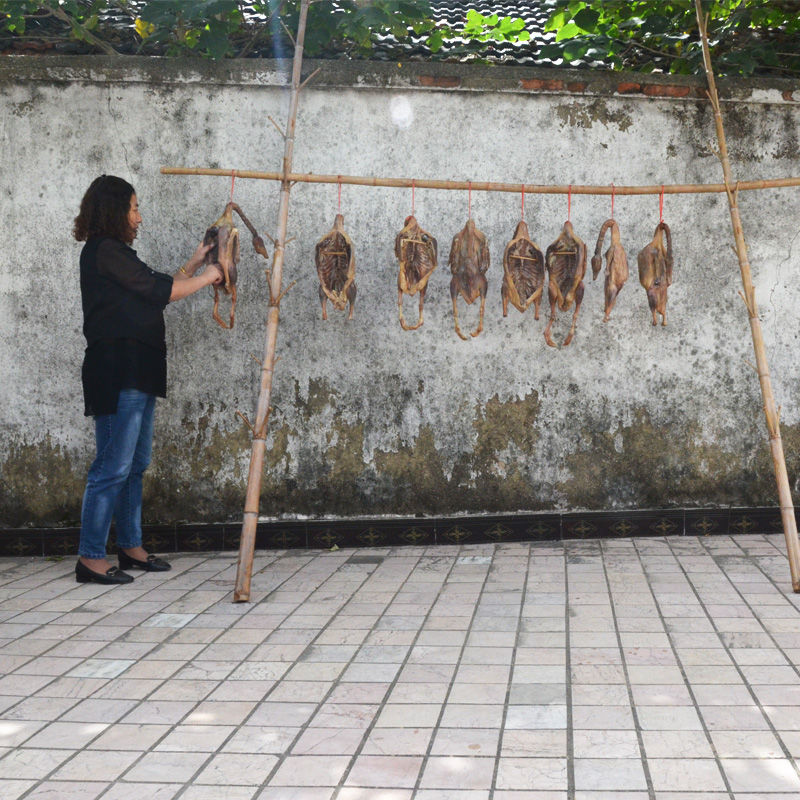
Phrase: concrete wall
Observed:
(369, 419)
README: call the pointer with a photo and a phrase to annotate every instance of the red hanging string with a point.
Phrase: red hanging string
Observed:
(523, 201)
(412, 197)
(469, 205)
(661, 205)
(569, 203)
(612, 201)
(233, 180)
(339, 182)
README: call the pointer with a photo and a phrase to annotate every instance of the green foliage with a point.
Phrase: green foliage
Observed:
(501, 29)
(747, 37)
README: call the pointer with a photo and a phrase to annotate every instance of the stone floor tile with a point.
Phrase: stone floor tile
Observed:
(14, 789)
(722, 695)
(457, 772)
(606, 717)
(212, 793)
(365, 793)
(408, 715)
(746, 744)
(761, 775)
(685, 774)
(295, 793)
(328, 741)
(98, 710)
(611, 744)
(195, 738)
(96, 765)
(536, 717)
(609, 774)
(668, 718)
(65, 790)
(676, 744)
(237, 769)
(152, 712)
(33, 763)
(661, 695)
(261, 739)
(465, 742)
(472, 716)
(390, 771)
(534, 743)
(523, 773)
(310, 771)
(152, 790)
(66, 735)
(734, 718)
(155, 767)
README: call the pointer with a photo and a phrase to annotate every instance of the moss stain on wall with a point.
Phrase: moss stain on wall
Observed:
(41, 484)
(644, 465)
(579, 114)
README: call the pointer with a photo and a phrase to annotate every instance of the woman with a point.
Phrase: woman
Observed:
(124, 370)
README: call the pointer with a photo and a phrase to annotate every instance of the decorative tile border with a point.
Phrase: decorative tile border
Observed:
(325, 534)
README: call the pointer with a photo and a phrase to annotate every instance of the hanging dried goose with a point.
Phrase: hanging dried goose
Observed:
(469, 260)
(523, 272)
(416, 252)
(336, 269)
(655, 271)
(566, 266)
(616, 265)
(225, 252)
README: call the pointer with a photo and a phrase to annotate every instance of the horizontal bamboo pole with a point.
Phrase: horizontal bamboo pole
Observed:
(484, 186)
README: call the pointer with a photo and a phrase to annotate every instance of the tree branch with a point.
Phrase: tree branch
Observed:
(59, 12)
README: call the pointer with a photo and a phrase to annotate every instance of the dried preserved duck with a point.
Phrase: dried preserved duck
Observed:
(416, 252)
(566, 265)
(469, 260)
(523, 272)
(655, 271)
(616, 265)
(225, 251)
(336, 269)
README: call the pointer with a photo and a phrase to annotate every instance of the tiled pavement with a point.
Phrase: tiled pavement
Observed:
(622, 668)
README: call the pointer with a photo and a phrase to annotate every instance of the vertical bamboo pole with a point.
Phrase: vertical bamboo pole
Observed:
(247, 541)
(770, 411)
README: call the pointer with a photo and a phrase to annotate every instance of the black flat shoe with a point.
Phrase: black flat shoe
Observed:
(115, 575)
(153, 564)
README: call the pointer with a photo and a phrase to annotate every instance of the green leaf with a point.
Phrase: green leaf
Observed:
(556, 21)
(586, 20)
(575, 51)
(569, 31)
(435, 41)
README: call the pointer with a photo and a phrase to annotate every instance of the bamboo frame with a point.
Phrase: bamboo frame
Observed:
(771, 413)
(247, 541)
(288, 178)
(485, 186)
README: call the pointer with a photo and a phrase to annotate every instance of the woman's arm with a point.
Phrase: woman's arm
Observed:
(185, 282)
(185, 285)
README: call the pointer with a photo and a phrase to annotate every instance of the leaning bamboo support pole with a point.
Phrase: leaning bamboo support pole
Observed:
(483, 186)
(247, 541)
(749, 296)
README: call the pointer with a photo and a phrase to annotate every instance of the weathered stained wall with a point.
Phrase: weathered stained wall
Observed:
(369, 419)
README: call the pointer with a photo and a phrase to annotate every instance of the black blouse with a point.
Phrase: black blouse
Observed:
(123, 322)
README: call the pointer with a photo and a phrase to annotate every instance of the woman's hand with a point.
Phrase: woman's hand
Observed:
(214, 274)
(197, 258)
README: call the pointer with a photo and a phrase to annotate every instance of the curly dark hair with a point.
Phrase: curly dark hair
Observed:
(104, 210)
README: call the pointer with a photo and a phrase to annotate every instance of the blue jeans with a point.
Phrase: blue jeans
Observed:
(114, 485)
